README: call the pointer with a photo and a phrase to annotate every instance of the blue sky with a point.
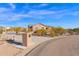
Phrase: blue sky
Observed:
(21, 14)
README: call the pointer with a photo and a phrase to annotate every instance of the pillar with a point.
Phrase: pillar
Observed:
(27, 39)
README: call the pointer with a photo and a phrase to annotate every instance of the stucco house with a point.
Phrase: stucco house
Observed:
(38, 26)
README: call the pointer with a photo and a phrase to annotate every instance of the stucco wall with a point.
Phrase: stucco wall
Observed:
(38, 26)
(17, 38)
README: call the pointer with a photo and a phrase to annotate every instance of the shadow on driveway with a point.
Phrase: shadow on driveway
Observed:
(13, 42)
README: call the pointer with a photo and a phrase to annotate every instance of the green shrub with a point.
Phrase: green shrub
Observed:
(40, 32)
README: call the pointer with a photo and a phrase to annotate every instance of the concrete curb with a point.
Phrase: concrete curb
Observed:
(27, 50)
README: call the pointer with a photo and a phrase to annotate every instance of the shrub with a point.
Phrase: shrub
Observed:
(40, 32)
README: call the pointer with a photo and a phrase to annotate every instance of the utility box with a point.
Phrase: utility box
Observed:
(27, 39)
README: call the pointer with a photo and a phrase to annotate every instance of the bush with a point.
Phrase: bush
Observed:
(40, 32)
(52, 34)
(51, 31)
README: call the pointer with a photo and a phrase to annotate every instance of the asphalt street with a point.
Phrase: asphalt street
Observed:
(66, 46)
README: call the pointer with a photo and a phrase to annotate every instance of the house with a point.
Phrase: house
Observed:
(37, 27)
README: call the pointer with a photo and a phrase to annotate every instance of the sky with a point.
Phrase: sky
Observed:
(52, 14)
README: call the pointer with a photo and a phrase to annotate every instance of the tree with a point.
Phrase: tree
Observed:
(40, 32)
(1, 31)
(23, 30)
(73, 31)
(60, 30)
(17, 29)
(51, 31)
(29, 29)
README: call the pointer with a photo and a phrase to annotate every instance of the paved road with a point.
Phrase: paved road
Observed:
(68, 46)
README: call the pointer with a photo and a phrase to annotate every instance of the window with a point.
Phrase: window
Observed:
(46, 28)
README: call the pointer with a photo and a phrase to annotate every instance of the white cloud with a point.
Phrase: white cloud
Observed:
(43, 5)
(16, 17)
(6, 14)
(41, 12)
(44, 14)
(12, 6)
(75, 13)
(2, 10)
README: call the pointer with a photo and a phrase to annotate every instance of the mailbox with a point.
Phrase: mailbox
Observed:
(27, 39)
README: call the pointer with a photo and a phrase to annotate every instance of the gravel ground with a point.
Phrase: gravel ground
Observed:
(39, 39)
(8, 50)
